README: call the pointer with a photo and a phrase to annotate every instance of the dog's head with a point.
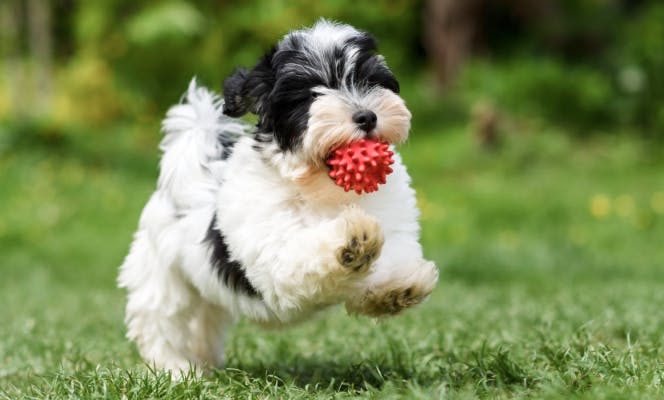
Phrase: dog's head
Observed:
(317, 89)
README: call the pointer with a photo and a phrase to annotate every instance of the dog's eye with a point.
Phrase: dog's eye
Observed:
(314, 94)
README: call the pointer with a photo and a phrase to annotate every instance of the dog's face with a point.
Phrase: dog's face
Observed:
(320, 88)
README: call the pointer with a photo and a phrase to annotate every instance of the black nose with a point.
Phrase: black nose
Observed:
(365, 119)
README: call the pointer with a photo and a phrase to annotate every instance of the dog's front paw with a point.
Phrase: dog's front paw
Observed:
(392, 297)
(363, 240)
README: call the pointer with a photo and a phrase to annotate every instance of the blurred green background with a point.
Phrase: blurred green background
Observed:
(587, 65)
(536, 151)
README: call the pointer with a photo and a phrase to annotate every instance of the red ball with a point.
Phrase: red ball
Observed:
(361, 165)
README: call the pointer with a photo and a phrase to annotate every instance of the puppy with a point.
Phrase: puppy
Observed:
(246, 221)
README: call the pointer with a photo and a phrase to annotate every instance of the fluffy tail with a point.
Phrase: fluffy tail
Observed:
(198, 138)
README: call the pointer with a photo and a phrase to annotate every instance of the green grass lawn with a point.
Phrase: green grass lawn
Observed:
(552, 280)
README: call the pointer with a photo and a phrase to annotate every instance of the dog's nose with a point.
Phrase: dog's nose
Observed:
(365, 119)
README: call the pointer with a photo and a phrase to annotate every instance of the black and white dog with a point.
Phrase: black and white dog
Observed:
(247, 222)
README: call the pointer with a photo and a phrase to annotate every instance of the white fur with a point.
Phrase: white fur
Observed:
(286, 228)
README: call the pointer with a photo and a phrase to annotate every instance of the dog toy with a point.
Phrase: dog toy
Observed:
(361, 165)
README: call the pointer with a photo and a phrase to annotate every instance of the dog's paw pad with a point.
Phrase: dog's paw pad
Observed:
(363, 245)
(379, 303)
(392, 302)
(359, 253)
(399, 300)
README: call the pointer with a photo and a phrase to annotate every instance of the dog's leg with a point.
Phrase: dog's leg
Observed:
(178, 337)
(400, 279)
(174, 329)
(320, 265)
(362, 240)
(207, 327)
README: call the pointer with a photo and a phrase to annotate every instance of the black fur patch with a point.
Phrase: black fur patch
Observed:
(246, 91)
(370, 70)
(230, 272)
(227, 145)
(287, 113)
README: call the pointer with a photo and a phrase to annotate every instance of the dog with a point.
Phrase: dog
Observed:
(245, 221)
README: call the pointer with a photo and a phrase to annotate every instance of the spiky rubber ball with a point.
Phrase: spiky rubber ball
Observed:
(361, 165)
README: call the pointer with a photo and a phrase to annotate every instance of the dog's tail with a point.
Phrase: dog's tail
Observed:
(198, 138)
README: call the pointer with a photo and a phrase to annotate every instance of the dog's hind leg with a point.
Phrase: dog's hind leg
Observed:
(172, 326)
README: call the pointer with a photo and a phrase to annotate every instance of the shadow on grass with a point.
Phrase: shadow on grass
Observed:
(319, 374)
(480, 370)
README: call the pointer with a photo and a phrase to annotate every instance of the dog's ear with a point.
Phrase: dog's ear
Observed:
(235, 101)
(246, 91)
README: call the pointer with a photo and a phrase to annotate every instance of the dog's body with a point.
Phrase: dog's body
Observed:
(249, 223)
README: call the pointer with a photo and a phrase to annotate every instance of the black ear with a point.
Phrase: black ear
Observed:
(235, 101)
(247, 91)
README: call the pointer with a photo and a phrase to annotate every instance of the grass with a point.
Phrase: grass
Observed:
(551, 285)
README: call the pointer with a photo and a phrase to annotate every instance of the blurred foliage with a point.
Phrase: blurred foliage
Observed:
(642, 63)
(595, 68)
(576, 96)
(155, 48)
